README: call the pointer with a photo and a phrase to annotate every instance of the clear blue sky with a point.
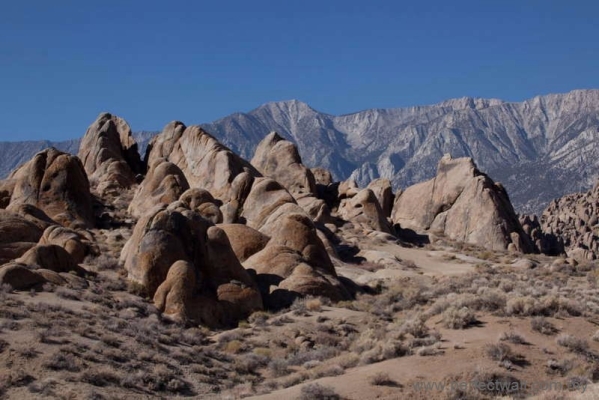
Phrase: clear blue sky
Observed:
(63, 62)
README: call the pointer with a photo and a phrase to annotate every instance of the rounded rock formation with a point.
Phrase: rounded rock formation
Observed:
(164, 183)
(463, 204)
(109, 154)
(56, 183)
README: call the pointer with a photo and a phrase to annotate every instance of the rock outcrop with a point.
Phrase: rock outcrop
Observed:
(545, 243)
(206, 163)
(384, 194)
(279, 159)
(109, 154)
(245, 241)
(364, 210)
(51, 257)
(575, 218)
(163, 184)
(295, 261)
(17, 235)
(203, 203)
(56, 183)
(463, 204)
(75, 243)
(221, 291)
(19, 277)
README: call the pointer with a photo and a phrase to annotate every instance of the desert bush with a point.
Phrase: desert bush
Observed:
(100, 377)
(522, 306)
(319, 353)
(572, 343)
(315, 391)
(570, 306)
(542, 325)
(499, 352)
(105, 262)
(458, 318)
(278, 368)
(561, 367)
(62, 362)
(68, 294)
(234, 347)
(331, 370)
(381, 379)
(415, 326)
(298, 307)
(348, 360)
(512, 337)
(295, 379)
(259, 318)
(428, 351)
(313, 304)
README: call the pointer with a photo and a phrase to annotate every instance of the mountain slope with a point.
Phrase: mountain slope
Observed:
(539, 149)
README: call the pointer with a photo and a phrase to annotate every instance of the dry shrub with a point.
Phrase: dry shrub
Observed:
(313, 304)
(572, 343)
(542, 325)
(458, 318)
(315, 391)
(512, 337)
(499, 352)
(415, 326)
(381, 379)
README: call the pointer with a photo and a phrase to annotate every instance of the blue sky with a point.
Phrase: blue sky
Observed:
(63, 62)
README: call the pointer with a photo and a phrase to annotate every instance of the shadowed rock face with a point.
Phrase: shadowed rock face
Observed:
(544, 242)
(109, 154)
(463, 204)
(189, 267)
(384, 194)
(17, 235)
(575, 218)
(56, 183)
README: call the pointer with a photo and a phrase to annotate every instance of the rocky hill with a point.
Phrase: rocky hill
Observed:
(539, 149)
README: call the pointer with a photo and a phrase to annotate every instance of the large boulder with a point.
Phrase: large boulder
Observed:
(32, 214)
(245, 241)
(203, 203)
(206, 163)
(279, 159)
(463, 204)
(160, 238)
(51, 257)
(56, 183)
(164, 183)
(19, 277)
(265, 197)
(295, 261)
(189, 267)
(17, 235)
(364, 210)
(383, 192)
(74, 242)
(109, 154)
(575, 219)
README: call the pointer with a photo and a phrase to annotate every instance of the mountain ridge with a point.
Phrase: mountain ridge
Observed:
(540, 148)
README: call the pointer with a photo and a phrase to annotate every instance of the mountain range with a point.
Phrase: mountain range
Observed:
(539, 149)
